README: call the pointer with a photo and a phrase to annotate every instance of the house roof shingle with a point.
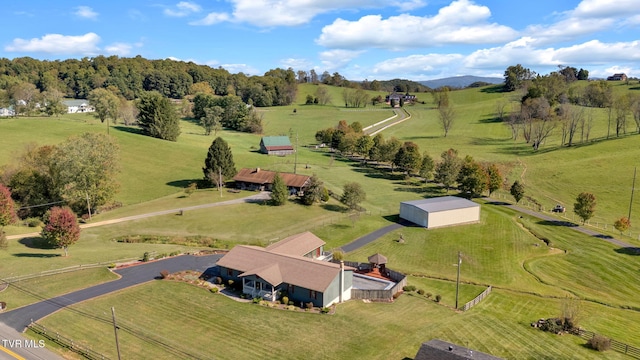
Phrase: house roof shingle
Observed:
(299, 244)
(441, 350)
(263, 177)
(294, 270)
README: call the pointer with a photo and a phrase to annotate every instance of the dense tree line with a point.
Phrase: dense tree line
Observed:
(130, 77)
(80, 172)
(469, 176)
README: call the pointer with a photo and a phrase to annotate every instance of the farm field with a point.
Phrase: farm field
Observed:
(505, 249)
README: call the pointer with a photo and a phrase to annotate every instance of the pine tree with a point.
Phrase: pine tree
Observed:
(517, 190)
(279, 191)
(219, 163)
(157, 118)
(313, 191)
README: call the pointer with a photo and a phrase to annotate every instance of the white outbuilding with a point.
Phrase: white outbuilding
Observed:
(440, 211)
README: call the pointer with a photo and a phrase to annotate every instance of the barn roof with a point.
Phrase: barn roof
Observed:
(262, 177)
(280, 268)
(277, 142)
(442, 203)
(299, 244)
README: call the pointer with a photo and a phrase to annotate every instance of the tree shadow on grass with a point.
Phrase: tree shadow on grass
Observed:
(557, 223)
(333, 207)
(36, 243)
(129, 129)
(635, 251)
(499, 88)
(31, 255)
(186, 182)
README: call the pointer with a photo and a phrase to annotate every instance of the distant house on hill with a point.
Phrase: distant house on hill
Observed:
(78, 106)
(290, 266)
(397, 97)
(617, 77)
(276, 145)
(259, 179)
(441, 350)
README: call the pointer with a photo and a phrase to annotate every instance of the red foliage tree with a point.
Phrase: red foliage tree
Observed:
(7, 207)
(62, 229)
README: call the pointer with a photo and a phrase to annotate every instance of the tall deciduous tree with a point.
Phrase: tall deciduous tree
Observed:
(448, 168)
(84, 170)
(585, 206)
(472, 179)
(352, 195)
(516, 76)
(7, 207)
(623, 224)
(426, 167)
(446, 115)
(62, 229)
(106, 104)
(494, 178)
(517, 191)
(279, 191)
(211, 119)
(219, 166)
(156, 116)
(408, 157)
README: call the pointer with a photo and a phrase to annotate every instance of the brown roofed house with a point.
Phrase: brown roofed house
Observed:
(283, 267)
(260, 179)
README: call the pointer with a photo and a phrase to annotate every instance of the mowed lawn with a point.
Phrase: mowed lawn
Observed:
(166, 319)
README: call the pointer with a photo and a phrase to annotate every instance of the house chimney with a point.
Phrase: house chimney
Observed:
(341, 280)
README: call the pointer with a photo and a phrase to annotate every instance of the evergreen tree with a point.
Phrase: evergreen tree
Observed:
(352, 195)
(517, 190)
(313, 191)
(219, 163)
(408, 157)
(156, 117)
(427, 166)
(279, 191)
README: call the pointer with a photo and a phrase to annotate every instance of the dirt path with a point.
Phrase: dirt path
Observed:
(249, 199)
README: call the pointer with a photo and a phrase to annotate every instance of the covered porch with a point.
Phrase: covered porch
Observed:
(262, 283)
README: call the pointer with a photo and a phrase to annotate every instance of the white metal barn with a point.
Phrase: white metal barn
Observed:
(440, 211)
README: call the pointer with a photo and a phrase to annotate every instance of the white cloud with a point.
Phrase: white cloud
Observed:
(211, 19)
(337, 58)
(271, 13)
(243, 68)
(86, 12)
(183, 8)
(57, 44)
(416, 64)
(121, 49)
(606, 8)
(296, 64)
(461, 22)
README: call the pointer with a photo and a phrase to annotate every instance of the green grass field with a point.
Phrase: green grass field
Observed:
(530, 279)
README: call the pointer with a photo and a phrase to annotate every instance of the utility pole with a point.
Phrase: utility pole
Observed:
(633, 187)
(295, 160)
(115, 330)
(220, 180)
(89, 205)
(458, 277)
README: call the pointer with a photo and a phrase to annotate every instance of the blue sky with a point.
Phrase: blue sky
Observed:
(360, 39)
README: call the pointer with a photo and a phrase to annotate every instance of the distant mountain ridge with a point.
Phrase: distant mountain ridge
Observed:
(460, 81)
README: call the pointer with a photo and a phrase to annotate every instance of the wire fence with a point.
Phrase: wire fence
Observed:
(477, 299)
(66, 342)
(615, 345)
(9, 280)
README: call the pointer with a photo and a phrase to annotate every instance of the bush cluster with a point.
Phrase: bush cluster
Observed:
(409, 288)
(600, 343)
